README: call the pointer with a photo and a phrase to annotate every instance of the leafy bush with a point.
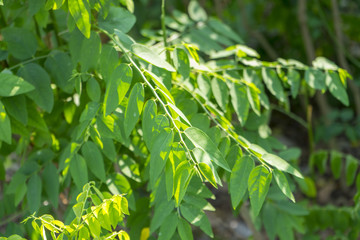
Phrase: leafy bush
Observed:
(148, 125)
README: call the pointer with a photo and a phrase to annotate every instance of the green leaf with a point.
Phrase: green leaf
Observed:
(34, 187)
(50, 179)
(239, 178)
(108, 61)
(5, 127)
(204, 87)
(118, 18)
(184, 230)
(43, 95)
(258, 185)
(168, 227)
(161, 212)
(283, 184)
(251, 76)
(281, 164)
(12, 85)
(324, 63)
(94, 160)
(221, 92)
(315, 79)
(78, 170)
(90, 52)
(81, 15)
(181, 181)
(35, 6)
(336, 88)
(273, 83)
(224, 29)
(294, 80)
(149, 56)
(196, 12)
(254, 100)
(117, 87)
(196, 217)
(202, 141)
(207, 173)
(93, 90)
(134, 108)
(240, 102)
(78, 209)
(160, 153)
(60, 67)
(182, 63)
(351, 169)
(336, 163)
(164, 91)
(148, 121)
(21, 42)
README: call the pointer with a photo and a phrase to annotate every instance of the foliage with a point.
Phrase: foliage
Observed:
(147, 124)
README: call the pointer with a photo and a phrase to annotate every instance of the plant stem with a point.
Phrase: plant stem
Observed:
(56, 28)
(168, 59)
(28, 61)
(290, 115)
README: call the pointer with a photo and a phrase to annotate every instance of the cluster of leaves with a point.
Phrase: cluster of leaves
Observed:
(83, 101)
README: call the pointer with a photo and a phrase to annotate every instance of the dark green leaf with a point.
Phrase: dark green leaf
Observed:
(12, 85)
(184, 230)
(34, 187)
(168, 227)
(43, 94)
(21, 42)
(78, 170)
(258, 185)
(202, 141)
(134, 108)
(51, 183)
(336, 163)
(93, 89)
(294, 80)
(90, 52)
(148, 121)
(239, 179)
(351, 169)
(94, 160)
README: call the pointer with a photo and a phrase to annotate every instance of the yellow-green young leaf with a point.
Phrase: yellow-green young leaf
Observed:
(239, 179)
(1, 3)
(315, 79)
(50, 179)
(254, 100)
(149, 56)
(21, 42)
(336, 88)
(123, 235)
(94, 226)
(93, 90)
(336, 163)
(168, 227)
(283, 184)
(124, 206)
(184, 230)
(43, 95)
(78, 170)
(207, 173)
(294, 79)
(258, 185)
(202, 157)
(179, 112)
(104, 219)
(281, 164)
(160, 153)
(182, 63)
(94, 160)
(34, 188)
(221, 92)
(12, 85)
(5, 127)
(84, 233)
(273, 83)
(80, 13)
(193, 51)
(240, 102)
(117, 87)
(202, 141)
(351, 169)
(78, 209)
(134, 108)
